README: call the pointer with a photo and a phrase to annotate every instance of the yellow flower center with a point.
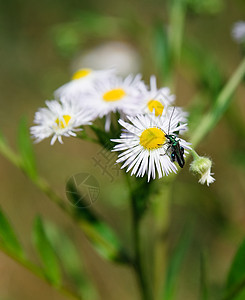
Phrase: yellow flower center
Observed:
(63, 122)
(114, 95)
(157, 105)
(81, 73)
(152, 138)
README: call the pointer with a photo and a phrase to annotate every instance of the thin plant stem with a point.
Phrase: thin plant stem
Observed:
(44, 187)
(145, 293)
(223, 100)
(82, 224)
(9, 154)
(38, 273)
(161, 208)
(143, 283)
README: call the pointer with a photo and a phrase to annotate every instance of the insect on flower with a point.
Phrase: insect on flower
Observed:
(177, 151)
(144, 143)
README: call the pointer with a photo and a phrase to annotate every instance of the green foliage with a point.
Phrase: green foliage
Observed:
(161, 50)
(26, 150)
(70, 259)
(205, 6)
(8, 237)
(46, 253)
(175, 263)
(235, 284)
(100, 234)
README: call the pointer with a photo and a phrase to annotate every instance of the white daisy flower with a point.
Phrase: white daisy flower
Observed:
(115, 95)
(80, 83)
(238, 32)
(160, 101)
(145, 147)
(155, 99)
(59, 119)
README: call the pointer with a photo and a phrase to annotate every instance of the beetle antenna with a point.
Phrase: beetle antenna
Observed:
(170, 119)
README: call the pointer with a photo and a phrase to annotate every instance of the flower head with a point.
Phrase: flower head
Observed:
(159, 102)
(202, 166)
(156, 100)
(59, 119)
(81, 82)
(238, 32)
(145, 147)
(114, 94)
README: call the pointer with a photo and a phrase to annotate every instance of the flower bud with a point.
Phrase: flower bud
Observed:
(202, 166)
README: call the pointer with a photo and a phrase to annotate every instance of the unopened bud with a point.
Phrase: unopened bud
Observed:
(202, 166)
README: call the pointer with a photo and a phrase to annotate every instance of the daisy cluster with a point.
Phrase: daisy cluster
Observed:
(147, 117)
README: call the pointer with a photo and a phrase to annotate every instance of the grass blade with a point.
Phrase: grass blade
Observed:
(8, 237)
(46, 253)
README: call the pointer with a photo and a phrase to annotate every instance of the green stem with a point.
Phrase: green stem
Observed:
(137, 253)
(138, 264)
(143, 283)
(194, 154)
(221, 104)
(38, 273)
(43, 186)
(89, 230)
(9, 154)
(161, 210)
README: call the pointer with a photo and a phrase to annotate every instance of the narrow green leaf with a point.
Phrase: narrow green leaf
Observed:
(235, 283)
(175, 264)
(203, 278)
(46, 253)
(70, 260)
(26, 149)
(162, 55)
(102, 237)
(8, 237)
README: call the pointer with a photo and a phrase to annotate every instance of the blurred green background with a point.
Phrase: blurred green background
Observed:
(41, 41)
